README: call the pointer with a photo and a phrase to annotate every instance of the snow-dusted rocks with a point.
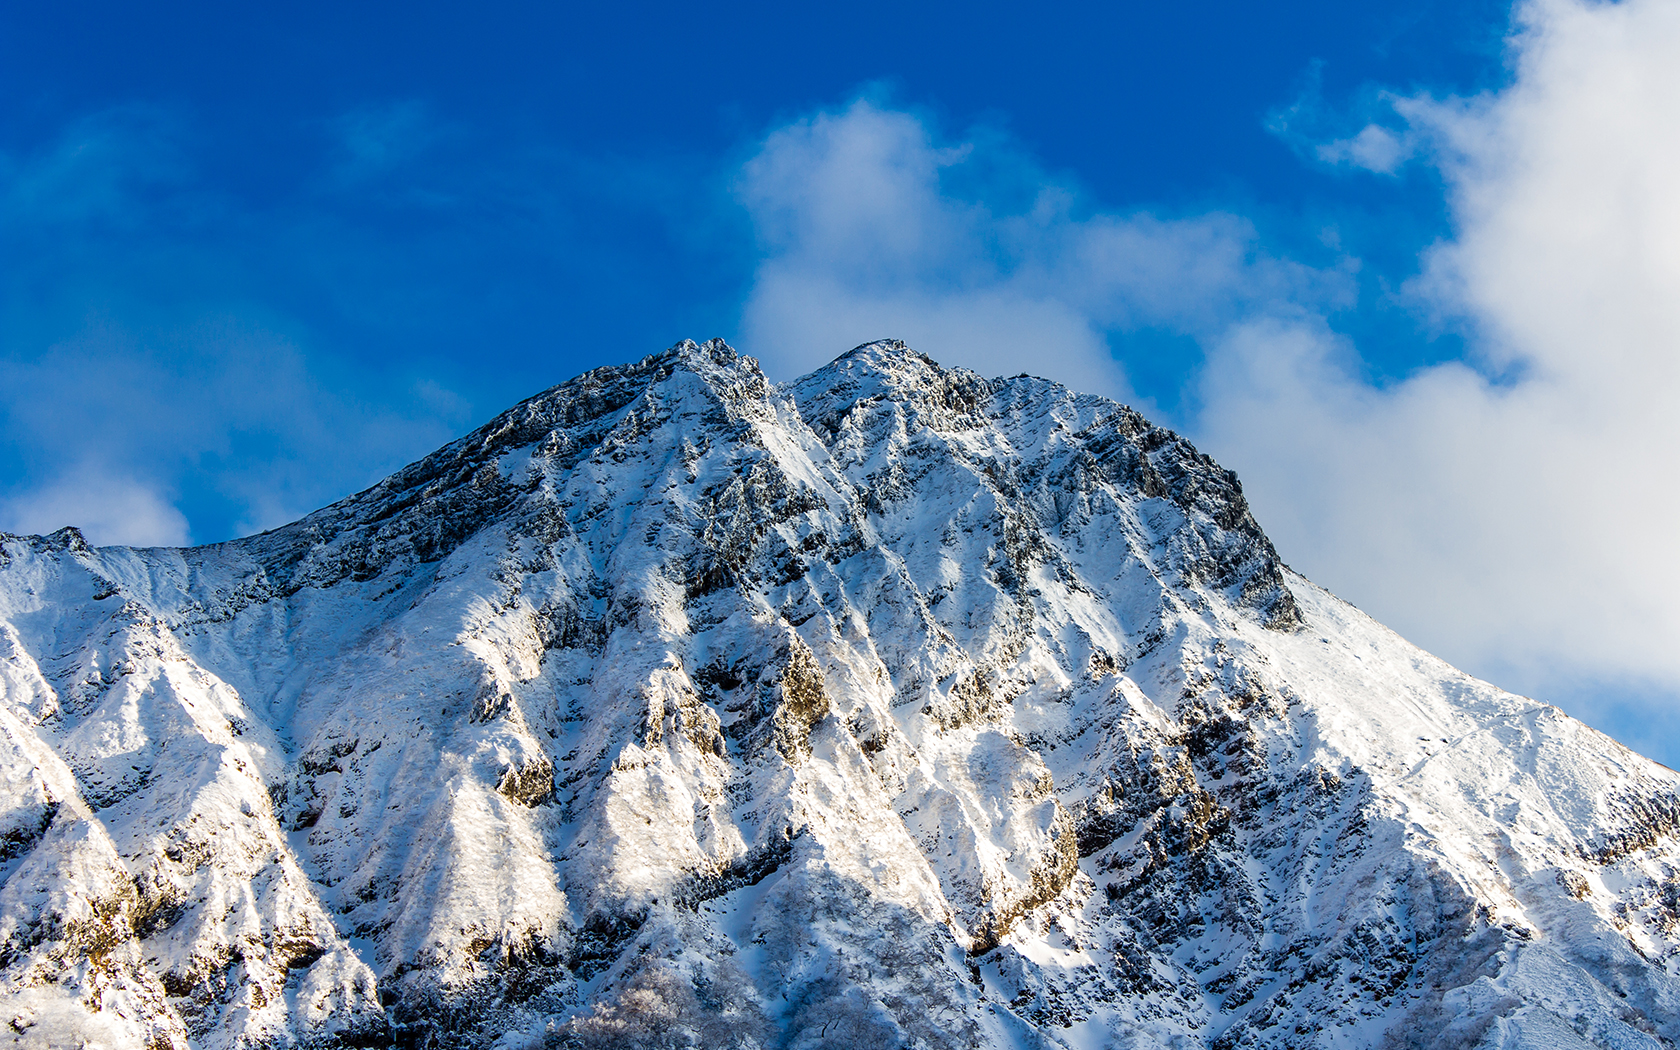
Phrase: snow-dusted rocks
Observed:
(896, 706)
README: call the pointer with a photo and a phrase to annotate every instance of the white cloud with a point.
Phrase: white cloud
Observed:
(1525, 528)
(871, 228)
(107, 509)
(1513, 512)
(1375, 148)
(862, 242)
(113, 421)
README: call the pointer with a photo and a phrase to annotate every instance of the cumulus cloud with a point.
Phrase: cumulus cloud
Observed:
(1511, 511)
(1522, 526)
(870, 227)
(106, 508)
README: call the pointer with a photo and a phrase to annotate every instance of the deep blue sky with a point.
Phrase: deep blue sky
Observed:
(491, 199)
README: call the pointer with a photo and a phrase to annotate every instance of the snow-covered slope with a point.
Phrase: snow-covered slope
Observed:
(896, 706)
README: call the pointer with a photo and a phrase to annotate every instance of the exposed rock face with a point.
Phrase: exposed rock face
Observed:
(893, 707)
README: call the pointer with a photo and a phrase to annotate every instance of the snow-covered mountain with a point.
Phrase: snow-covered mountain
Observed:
(892, 707)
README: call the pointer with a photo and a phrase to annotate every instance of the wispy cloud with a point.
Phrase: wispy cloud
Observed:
(136, 376)
(95, 171)
(1374, 148)
(375, 139)
(246, 340)
(117, 422)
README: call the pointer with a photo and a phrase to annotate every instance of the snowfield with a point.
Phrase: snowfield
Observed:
(891, 707)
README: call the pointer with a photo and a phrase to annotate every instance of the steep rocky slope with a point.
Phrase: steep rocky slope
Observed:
(896, 706)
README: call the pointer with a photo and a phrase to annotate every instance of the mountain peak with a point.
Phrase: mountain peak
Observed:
(887, 356)
(896, 706)
(891, 372)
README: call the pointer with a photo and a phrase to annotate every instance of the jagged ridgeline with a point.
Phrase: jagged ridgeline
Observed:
(892, 707)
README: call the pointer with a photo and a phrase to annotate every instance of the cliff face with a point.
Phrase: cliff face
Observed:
(896, 706)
